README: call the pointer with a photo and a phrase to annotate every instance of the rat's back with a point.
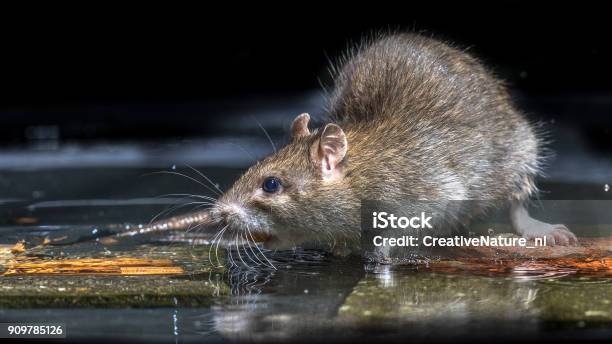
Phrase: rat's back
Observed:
(441, 111)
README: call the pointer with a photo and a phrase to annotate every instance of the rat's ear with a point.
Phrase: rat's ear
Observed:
(329, 150)
(299, 128)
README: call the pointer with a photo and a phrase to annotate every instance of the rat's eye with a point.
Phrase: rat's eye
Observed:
(271, 185)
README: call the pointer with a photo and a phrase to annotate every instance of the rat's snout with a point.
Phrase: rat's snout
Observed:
(231, 213)
(237, 217)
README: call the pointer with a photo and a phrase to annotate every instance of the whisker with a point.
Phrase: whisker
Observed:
(176, 207)
(249, 154)
(238, 250)
(242, 235)
(266, 133)
(189, 229)
(243, 247)
(185, 176)
(187, 196)
(202, 205)
(217, 247)
(205, 177)
(257, 247)
(251, 248)
(231, 258)
(213, 244)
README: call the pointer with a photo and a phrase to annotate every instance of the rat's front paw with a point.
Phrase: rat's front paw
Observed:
(555, 234)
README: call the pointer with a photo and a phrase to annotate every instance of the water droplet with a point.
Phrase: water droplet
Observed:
(305, 291)
(173, 167)
(94, 231)
(606, 188)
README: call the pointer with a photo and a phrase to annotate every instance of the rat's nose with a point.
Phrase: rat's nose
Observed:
(229, 212)
(225, 218)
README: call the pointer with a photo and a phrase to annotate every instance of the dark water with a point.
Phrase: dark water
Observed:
(310, 295)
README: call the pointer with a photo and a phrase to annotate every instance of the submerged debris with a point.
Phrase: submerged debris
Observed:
(116, 266)
(18, 248)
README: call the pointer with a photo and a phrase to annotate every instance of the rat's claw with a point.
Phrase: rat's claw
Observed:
(531, 228)
(563, 236)
(558, 235)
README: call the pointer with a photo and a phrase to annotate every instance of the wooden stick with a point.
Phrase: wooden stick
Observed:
(92, 266)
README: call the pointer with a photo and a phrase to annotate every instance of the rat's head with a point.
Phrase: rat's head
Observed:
(282, 199)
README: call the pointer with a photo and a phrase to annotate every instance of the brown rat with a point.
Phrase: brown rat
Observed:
(410, 117)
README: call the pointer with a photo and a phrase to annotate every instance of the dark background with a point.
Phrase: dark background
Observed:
(113, 74)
